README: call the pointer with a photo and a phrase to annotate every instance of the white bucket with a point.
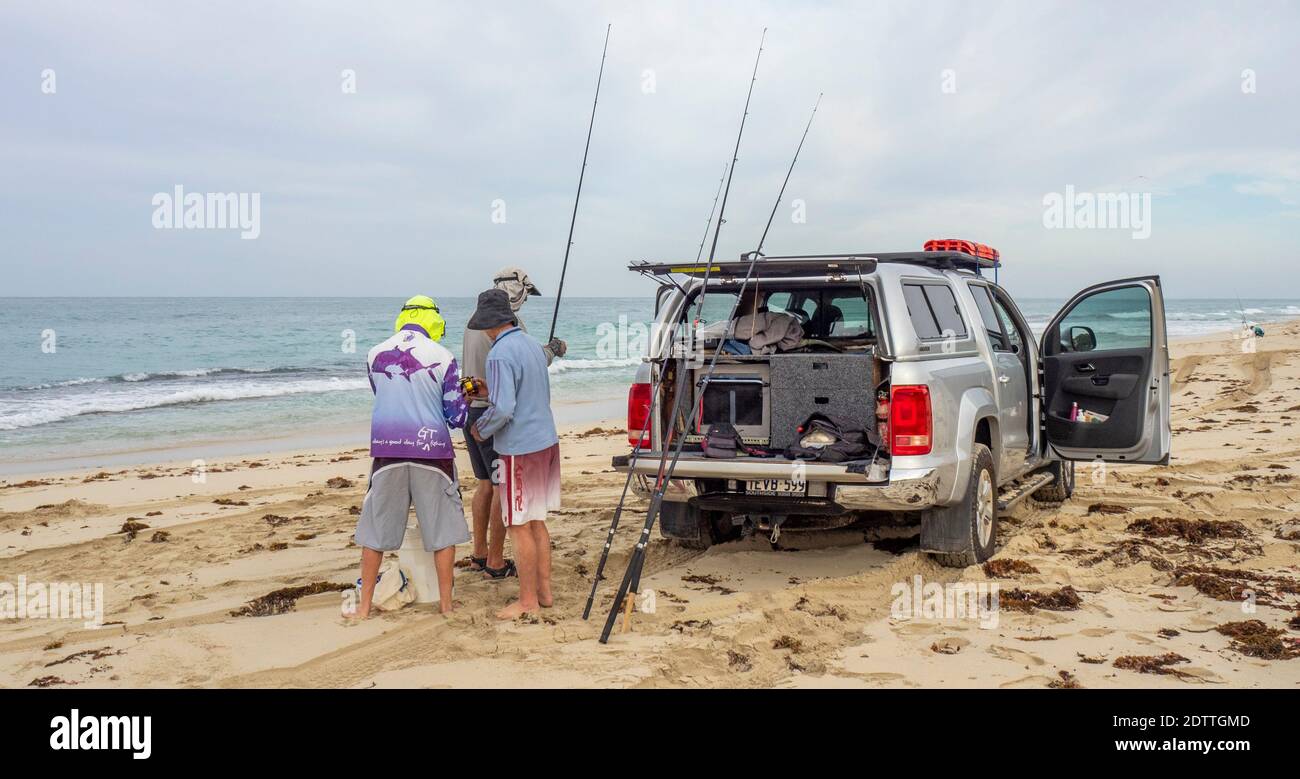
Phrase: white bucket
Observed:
(418, 564)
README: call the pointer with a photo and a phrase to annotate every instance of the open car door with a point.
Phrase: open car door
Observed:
(1105, 385)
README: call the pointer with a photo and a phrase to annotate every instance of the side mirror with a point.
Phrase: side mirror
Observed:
(1082, 339)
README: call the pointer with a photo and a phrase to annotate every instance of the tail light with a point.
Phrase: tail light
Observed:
(638, 414)
(911, 423)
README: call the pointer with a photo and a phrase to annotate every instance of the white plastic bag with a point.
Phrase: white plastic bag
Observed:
(393, 590)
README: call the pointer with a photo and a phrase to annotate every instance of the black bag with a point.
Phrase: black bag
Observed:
(722, 441)
(851, 440)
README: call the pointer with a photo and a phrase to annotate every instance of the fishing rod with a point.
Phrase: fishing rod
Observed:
(645, 426)
(578, 197)
(638, 562)
(709, 222)
(632, 576)
(781, 194)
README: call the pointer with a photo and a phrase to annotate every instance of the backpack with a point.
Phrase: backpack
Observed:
(722, 441)
(848, 440)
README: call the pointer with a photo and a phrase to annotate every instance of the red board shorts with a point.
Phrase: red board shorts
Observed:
(529, 486)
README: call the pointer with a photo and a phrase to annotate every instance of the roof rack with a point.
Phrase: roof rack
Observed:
(940, 260)
(806, 264)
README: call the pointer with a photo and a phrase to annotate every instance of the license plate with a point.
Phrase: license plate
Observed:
(775, 487)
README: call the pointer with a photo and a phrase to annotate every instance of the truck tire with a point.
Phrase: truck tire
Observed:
(691, 527)
(1060, 490)
(975, 517)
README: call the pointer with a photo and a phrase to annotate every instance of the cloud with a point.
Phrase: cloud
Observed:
(458, 105)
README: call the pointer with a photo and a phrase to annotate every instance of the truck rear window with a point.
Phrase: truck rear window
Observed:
(933, 310)
(825, 313)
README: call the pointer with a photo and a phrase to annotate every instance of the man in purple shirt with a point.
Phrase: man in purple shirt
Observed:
(418, 401)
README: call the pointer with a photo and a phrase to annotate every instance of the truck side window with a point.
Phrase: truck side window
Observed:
(1009, 325)
(779, 301)
(933, 310)
(989, 317)
(919, 310)
(1111, 319)
(852, 315)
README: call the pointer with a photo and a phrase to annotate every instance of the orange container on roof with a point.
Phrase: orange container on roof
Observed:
(965, 247)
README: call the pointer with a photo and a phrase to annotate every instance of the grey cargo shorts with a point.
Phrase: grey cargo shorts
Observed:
(395, 486)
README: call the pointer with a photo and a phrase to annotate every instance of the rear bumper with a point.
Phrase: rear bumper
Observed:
(711, 483)
(907, 490)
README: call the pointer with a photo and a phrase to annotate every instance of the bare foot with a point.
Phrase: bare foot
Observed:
(545, 601)
(356, 616)
(446, 606)
(514, 611)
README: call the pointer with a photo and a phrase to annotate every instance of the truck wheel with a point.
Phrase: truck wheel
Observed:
(1060, 490)
(976, 514)
(691, 527)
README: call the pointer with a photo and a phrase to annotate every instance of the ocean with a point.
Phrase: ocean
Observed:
(115, 381)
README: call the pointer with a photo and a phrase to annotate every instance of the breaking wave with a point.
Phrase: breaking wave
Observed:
(15, 415)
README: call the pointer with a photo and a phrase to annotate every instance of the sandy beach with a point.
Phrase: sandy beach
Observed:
(1129, 584)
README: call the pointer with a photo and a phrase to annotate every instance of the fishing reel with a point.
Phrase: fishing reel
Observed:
(473, 387)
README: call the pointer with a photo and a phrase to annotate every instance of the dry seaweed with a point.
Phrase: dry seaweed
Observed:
(1067, 681)
(92, 654)
(1007, 568)
(710, 582)
(1016, 599)
(338, 483)
(788, 642)
(1192, 530)
(1253, 638)
(1153, 664)
(275, 520)
(831, 610)
(1230, 584)
(690, 625)
(1107, 508)
(132, 526)
(285, 600)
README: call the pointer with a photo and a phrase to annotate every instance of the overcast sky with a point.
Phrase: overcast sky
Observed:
(939, 120)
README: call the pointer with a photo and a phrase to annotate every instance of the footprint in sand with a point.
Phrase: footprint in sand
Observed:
(1015, 655)
(882, 677)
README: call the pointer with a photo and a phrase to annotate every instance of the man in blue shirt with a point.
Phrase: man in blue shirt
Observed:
(522, 428)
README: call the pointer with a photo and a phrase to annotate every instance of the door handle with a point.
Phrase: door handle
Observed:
(1087, 367)
(1003, 379)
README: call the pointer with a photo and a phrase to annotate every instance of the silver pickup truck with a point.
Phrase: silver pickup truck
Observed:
(970, 413)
